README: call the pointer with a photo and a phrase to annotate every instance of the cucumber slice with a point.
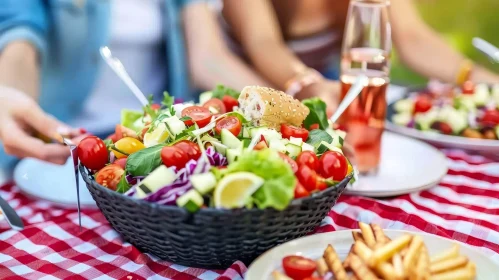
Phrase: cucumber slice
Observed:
(324, 146)
(307, 147)
(402, 119)
(296, 141)
(246, 132)
(205, 96)
(219, 147)
(277, 145)
(293, 150)
(465, 103)
(246, 142)
(268, 133)
(175, 125)
(232, 155)
(160, 177)
(481, 95)
(204, 183)
(337, 141)
(404, 105)
(229, 140)
(191, 201)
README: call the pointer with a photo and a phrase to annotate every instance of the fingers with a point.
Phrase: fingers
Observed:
(18, 143)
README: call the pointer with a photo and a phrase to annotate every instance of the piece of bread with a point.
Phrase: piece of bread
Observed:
(269, 107)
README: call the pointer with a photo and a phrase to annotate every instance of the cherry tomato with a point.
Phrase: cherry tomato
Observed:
(312, 278)
(290, 161)
(320, 183)
(233, 124)
(215, 106)
(314, 126)
(491, 117)
(307, 177)
(445, 128)
(333, 165)
(309, 159)
(127, 145)
(230, 102)
(113, 137)
(300, 191)
(122, 131)
(199, 115)
(144, 131)
(298, 267)
(155, 106)
(92, 153)
(110, 176)
(468, 87)
(173, 156)
(190, 148)
(423, 104)
(260, 146)
(121, 162)
(293, 131)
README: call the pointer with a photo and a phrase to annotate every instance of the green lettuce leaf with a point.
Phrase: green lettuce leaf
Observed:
(123, 185)
(279, 186)
(316, 136)
(129, 119)
(317, 113)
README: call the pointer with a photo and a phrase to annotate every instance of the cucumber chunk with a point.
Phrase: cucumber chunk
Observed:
(175, 125)
(277, 145)
(233, 154)
(296, 141)
(229, 140)
(191, 201)
(402, 119)
(204, 182)
(293, 150)
(307, 147)
(160, 177)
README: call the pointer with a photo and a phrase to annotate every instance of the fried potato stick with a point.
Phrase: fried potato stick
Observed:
(398, 266)
(386, 252)
(465, 273)
(380, 236)
(412, 254)
(367, 234)
(448, 264)
(322, 268)
(384, 269)
(357, 236)
(334, 263)
(346, 262)
(361, 270)
(452, 252)
(422, 271)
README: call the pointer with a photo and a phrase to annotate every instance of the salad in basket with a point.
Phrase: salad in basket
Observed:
(257, 148)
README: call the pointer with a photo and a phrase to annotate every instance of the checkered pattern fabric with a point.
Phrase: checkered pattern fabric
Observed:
(464, 207)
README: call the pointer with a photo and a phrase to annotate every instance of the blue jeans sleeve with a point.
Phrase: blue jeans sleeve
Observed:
(24, 20)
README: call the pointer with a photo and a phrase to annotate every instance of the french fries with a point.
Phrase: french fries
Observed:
(374, 256)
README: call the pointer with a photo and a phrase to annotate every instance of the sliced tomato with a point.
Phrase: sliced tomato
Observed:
(298, 267)
(333, 165)
(92, 153)
(233, 124)
(110, 176)
(230, 102)
(121, 162)
(262, 138)
(490, 117)
(215, 106)
(289, 131)
(300, 191)
(199, 115)
(190, 148)
(122, 131)
(290, 161)
(308, 158)
(155, 106)
(261, 145)
(468, 87)
(113, 137)
(173, 156)
(423, 104)
(314, 126)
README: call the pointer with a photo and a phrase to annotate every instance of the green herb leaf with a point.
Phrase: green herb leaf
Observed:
(186, 118)
(317, 113)
(316, 136)
(123, 185)
(144, 161)
(186, 133)
(108, 143)
(220, 91)
(167, 100)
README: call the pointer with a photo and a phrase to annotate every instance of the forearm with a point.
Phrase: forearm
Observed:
(19, 68)
(223, 67)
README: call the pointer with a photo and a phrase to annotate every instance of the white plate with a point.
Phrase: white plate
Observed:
(51, 182)
(313, 247)
(406, 166)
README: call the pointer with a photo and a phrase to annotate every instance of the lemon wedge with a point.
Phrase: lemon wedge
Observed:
(158, 135)
(234, 190)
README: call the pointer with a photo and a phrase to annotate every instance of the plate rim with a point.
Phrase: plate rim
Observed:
(388, 193)
(347, 231)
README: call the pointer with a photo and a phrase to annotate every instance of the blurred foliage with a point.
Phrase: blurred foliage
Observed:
(458, 21)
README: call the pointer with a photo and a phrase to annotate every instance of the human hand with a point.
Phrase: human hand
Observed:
(20, 116)
(328, 91)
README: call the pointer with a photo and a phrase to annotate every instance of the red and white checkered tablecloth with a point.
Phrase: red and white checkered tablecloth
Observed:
(464, 206)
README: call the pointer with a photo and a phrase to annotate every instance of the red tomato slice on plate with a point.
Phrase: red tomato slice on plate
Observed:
(230, 102)
(110, 176)
(491, 117)
(233, 124)
(298, 267)
(199, 115)
(215, 106)
(288, 131)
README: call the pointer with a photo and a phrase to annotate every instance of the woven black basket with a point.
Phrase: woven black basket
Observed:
(210, 238)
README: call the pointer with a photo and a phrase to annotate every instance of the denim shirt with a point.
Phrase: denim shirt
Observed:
(68, 35)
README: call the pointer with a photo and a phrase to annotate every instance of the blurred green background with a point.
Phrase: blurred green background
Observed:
(458, 21)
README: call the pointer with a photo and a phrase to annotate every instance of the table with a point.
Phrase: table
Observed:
(464, 207)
